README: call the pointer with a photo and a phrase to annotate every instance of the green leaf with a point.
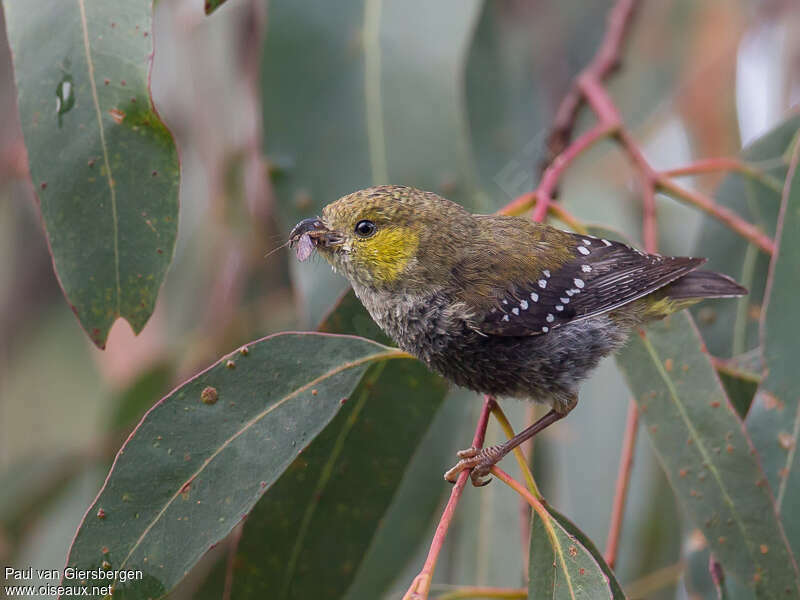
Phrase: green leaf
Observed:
(203, 456)
(211, 5)
(697, 576)
(28, 487)
(132, 402)
(740, 391)
(363, 95)
(731, 328)
(564, 563)
(372, 478)
(324, 513)
(512, 52)
(707, 456)
(103, 164)
(774, 421)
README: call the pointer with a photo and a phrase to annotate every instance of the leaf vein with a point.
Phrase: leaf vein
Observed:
(109, 177)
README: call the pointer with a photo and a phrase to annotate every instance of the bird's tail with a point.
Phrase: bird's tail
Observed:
(697, 285)
(689, 290)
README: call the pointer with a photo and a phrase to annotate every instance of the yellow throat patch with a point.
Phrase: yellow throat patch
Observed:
(387, 252)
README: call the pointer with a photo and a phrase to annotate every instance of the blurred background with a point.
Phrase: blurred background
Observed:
(276, 112)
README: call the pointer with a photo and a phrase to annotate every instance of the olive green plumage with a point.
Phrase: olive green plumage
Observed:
(498, 304)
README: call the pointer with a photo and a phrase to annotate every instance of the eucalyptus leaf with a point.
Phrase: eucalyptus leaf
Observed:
(774, 420)
(707, 456)
(103, 164)
(201, 457)
(564, 563)
(731, 328)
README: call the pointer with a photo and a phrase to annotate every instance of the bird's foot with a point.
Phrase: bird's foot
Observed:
(479, 460)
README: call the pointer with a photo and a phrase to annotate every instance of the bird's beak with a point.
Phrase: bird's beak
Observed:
(320, 235)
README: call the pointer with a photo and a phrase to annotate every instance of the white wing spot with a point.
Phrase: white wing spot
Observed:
(583, 250)
(550, 318)
(543, 283)
(505, 301)
(586, 268)
(545, 329)
(564, 300)
(534, 296)
(523, 304)
(578, 283)
(606, 242)
(587, 242)
(559, 307)
(505, 318)
(515, 310)
(546, 272)
(570, 292)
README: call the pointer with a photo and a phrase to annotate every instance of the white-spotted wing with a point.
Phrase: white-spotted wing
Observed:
(602, 276)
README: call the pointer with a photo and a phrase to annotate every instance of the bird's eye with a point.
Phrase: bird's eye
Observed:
(365, 228)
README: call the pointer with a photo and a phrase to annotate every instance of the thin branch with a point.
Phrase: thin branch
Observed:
(520, 205)
(553, 172)
(535, 503)
(623, 481)
(649, 584)
(420, 587)
(730, 368)
(713, 165)
(649, 216)
(525, 202)
(719, 212)
(606, 60)
(485, 592)
(501, 418)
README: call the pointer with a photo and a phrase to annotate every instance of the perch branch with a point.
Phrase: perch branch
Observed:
(498, 414)
(420, 587)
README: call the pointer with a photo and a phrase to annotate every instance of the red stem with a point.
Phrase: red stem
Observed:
(623, 481)
(708, 165)
(719, 212)
(553, 173)
(421, 585)
(605, 61)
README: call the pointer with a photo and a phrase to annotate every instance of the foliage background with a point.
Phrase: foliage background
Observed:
(267, 136)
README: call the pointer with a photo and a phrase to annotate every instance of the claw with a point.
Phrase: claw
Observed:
(468, 452)
(479, 461)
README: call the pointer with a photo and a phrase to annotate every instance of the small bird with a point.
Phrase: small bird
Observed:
(498, 304)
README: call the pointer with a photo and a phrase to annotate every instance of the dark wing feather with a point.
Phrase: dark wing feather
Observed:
(602, 276)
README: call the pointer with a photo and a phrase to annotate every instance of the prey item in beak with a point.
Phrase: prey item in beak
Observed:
(309, 234)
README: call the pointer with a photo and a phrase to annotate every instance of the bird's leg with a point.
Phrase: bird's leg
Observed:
(482, 460)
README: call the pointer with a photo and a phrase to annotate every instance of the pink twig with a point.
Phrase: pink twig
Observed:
(421, 585)
(605, 61)
(709, 165)
(623, 480)
(553, 173)
(719, 212)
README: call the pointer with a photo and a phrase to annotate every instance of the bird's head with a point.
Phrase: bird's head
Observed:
(388, 237)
